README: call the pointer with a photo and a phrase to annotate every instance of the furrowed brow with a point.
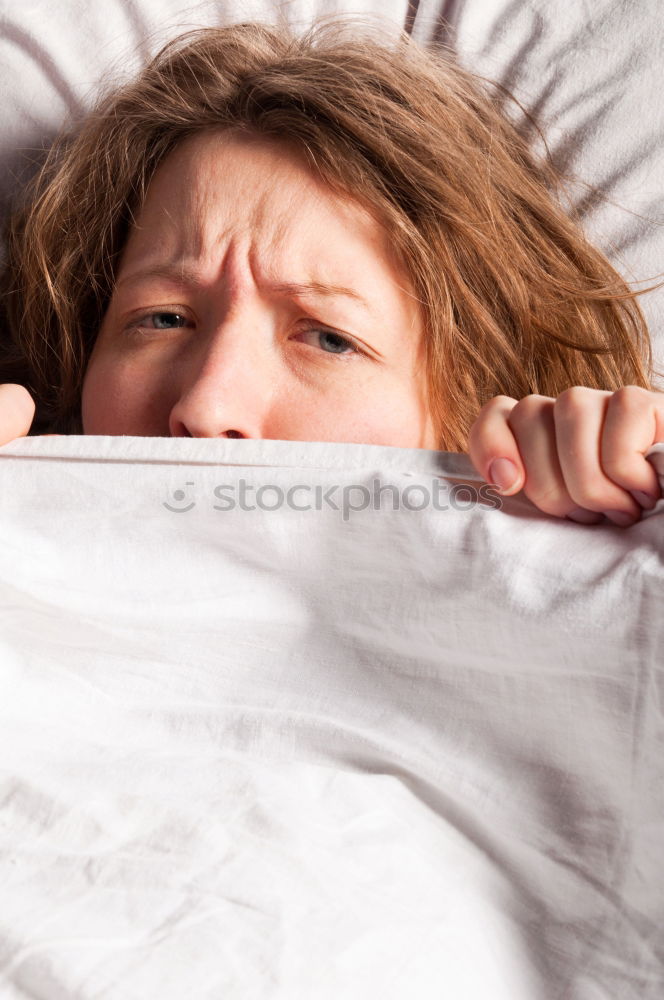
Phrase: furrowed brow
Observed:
(180, 274)
(184, 274)
(317, 289)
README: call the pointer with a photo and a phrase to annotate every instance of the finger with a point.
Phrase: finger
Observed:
(580, 418)
(634, 421)
(493, 450)
(533, 425)
(17, 410)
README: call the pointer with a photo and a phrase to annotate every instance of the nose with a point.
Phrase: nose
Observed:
(224, 385)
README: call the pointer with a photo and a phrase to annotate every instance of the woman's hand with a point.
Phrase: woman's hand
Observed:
(578, 456)
(17, 410)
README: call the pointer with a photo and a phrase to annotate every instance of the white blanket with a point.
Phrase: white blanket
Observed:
(325, 753)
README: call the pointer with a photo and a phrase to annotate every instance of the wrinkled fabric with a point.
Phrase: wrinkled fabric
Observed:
(406, 742)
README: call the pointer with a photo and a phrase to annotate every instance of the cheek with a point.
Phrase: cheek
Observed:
(398, 415)
(113, 397)
(384, 412)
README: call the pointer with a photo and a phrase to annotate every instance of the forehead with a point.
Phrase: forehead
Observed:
(219, 187)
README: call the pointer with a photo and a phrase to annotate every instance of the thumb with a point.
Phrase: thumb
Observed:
(17, 410)
(493, 448)
(505, 475)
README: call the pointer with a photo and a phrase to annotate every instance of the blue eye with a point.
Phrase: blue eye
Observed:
(330, 342)
(167, 320)
(335, 342)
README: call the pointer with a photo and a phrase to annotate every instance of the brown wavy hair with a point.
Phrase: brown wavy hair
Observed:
(514, 298)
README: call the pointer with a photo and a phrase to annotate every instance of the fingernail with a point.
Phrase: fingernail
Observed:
(584, 516)
(644, 499)
(620, 517)
(503, 473)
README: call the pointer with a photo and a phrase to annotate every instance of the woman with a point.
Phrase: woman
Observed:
(326, 239)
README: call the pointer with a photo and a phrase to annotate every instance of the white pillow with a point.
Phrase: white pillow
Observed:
(287, 753)
(592, 74)
(54, 54)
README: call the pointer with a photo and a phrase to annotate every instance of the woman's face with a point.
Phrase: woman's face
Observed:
(252, 301)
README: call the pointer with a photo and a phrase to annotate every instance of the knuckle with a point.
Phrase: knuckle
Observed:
(480, 431)
(591, 498)
(496, 403)
(552, 508)
(629, 398)
(600, 495)
(615, 464)
(572, 401)
(550, 500)
(529, 407)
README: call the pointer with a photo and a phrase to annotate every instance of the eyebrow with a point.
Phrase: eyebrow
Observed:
(186, 275)
(304, 289)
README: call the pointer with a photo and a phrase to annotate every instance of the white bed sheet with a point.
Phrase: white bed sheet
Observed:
(292, 754)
